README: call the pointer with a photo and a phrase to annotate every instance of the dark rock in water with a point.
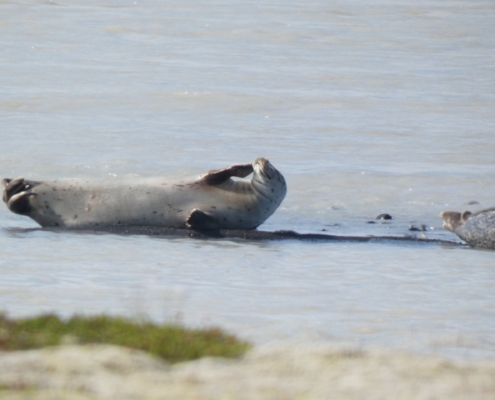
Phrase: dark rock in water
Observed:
(371, 222)
(384, 216)
(473, 202)
(476, 229)
(421, 228)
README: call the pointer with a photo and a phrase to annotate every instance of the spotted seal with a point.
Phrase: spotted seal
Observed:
(214, 201)
(476, 229)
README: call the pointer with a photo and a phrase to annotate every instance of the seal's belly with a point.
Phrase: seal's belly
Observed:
(73, 203)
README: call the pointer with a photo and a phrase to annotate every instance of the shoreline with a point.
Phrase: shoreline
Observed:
(277, 371)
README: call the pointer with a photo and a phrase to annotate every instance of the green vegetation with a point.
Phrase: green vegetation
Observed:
(171, 342)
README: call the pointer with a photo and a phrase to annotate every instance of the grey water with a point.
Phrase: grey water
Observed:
(366, 107)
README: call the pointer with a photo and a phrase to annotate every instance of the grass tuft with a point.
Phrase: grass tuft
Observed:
(170, 342)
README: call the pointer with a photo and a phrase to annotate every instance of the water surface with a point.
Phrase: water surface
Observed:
(365, 107)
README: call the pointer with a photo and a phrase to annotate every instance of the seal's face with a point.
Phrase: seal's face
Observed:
(268, 180)
(453, 220)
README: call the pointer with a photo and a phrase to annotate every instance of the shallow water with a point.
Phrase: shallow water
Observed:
(365, 107)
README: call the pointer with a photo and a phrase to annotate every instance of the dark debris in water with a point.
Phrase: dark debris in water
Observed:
(421, 228)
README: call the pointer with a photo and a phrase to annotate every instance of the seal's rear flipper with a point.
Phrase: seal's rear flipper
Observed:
(12, 187)
(219, 176)
(19, 203)
(201, 221)
(16, 194)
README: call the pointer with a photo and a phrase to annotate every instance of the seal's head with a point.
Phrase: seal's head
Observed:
(453, 220)
(267, 180)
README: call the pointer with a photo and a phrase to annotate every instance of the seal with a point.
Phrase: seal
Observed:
(214, 201)
(476, 229)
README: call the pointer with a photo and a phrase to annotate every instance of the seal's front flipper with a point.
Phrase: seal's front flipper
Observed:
(219, 176)
(201, 221)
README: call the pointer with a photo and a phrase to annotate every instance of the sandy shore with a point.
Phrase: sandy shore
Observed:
(77, 372)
